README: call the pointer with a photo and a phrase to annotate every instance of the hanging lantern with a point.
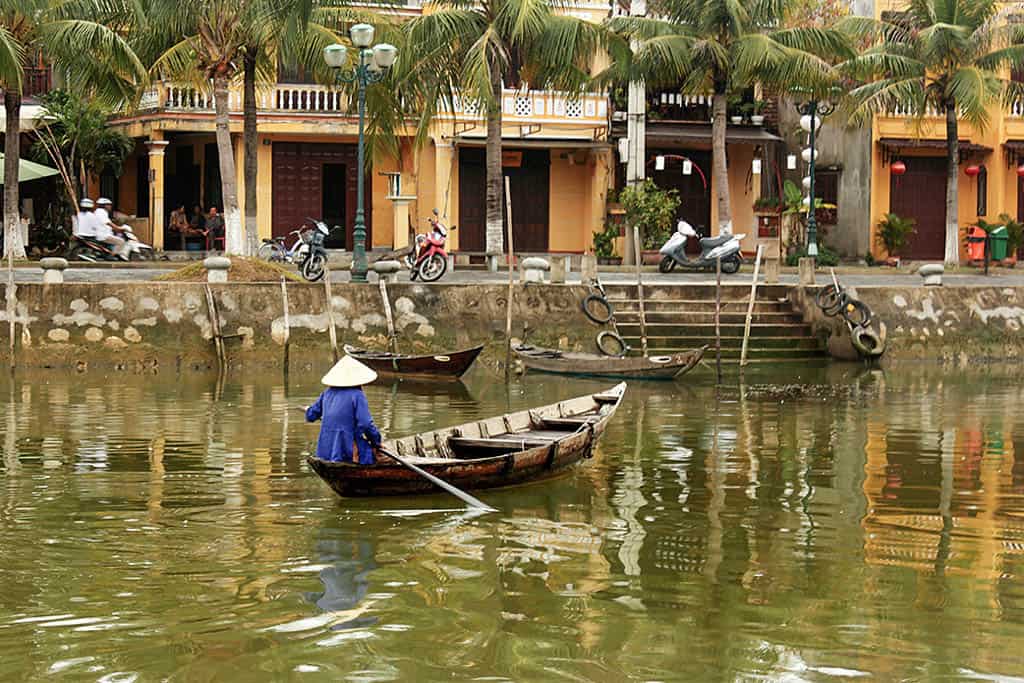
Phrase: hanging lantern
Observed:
(791, 162)
(898, 168)
(756, 167)
(687, 167)
(1020, 171)
(973, 170)
(806, 123)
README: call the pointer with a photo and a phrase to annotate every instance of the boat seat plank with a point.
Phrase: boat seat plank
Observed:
(569, 423)
(503, 444)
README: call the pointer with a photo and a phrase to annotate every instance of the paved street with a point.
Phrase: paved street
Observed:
(852, 276)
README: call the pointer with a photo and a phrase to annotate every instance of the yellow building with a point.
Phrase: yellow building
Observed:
(555, 151)
(919, 193)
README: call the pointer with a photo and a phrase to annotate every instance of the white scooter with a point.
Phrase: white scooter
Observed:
(136, 249)
(725, 247)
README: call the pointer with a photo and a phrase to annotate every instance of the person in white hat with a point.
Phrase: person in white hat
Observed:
(347, 428)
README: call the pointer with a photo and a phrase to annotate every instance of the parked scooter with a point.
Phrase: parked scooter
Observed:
(725, 247)
(428, 260)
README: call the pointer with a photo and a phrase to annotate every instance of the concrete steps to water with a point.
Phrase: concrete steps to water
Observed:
(682, 317)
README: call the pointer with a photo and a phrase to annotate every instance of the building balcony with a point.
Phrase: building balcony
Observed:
(533, 112)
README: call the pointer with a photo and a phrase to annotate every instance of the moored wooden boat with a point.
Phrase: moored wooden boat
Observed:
(593, 365)
(498, 451)
(441, 365)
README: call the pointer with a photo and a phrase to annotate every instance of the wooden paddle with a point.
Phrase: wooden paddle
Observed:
(436, 481)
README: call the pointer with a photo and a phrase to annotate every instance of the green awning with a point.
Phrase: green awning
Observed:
(28, 170)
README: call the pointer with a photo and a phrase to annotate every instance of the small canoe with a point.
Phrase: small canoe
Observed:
(499, 451)
(442, 365)
(593, 365)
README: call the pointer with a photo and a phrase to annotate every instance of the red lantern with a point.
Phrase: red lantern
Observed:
(1020, 171)
(973, 170)
(898, 168)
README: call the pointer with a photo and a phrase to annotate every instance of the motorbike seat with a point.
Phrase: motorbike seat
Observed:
(711, 242)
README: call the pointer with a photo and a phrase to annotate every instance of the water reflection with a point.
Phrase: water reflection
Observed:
(812, 524)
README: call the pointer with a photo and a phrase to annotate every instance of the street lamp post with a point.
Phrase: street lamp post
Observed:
(812, 112)
(371, 67)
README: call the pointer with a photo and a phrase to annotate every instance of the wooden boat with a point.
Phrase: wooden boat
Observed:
(593, 365)
(442, 365)
(499, 451)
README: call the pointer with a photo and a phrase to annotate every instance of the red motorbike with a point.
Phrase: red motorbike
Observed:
(428, 259)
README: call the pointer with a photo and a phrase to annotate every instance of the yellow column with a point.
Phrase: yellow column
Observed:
(401, 220)
(445, 193)
(157, 148)
(264, 189)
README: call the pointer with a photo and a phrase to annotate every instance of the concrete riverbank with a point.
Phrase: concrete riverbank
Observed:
(146, 326)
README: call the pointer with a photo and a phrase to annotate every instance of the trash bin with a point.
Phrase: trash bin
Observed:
(975, 243)
(997, 241)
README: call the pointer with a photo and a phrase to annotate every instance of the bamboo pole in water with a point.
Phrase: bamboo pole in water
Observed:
(392, 335)
(640, 290)
(218, 338)
(330, 313)
(287, 323)
(508, 305)
(750, 306)
(718, 317)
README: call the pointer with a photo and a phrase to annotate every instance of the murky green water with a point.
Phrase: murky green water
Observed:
(168, 529)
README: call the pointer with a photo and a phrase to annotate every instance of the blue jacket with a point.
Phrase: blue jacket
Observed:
(346, 421)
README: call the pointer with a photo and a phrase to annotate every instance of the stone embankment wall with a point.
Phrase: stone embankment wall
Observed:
(147, 326)
(950, 324)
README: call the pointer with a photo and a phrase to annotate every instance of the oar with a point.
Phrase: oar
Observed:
(436, 481)
(440, 483)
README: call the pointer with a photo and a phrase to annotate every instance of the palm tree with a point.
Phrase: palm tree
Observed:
(469, 46)
(724, 47)
(83, 40)
(946, 56)
(203, 42)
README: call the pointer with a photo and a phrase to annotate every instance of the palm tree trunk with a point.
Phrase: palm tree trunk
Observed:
(952, 178)
(252, 240)
(720, 171)
(494, 180)
(234, 242)
(12, 158)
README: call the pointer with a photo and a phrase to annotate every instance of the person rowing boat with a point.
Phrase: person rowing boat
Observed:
(347, 429)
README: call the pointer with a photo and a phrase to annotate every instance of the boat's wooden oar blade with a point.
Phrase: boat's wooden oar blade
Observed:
(440, 483)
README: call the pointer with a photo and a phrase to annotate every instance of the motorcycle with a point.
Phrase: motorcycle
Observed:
(725, 247)
(428, 260)
(307, 252)
(314, 265)
(137, 249)
(89, 249)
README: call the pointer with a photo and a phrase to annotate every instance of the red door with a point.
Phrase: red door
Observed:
(920, 193)
(299, 186)
(529, 173)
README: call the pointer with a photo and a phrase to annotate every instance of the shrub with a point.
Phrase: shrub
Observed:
(1014, 233)
(893, 232)
(652, 209)
(825, 257)
(604, 242)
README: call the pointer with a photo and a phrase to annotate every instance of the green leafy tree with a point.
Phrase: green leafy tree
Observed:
(945, 56)
(81, 38)
(468, 47)
(724, 47)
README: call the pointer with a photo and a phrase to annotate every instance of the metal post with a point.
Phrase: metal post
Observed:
(359, 231)
(812, 219)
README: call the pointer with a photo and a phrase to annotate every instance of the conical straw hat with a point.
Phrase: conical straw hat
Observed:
(348, 372)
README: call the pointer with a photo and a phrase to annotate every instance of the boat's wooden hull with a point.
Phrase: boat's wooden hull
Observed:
(591, 365)
(529, 452)
(441, 365)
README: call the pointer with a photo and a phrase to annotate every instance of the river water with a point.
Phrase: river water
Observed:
(815, 524)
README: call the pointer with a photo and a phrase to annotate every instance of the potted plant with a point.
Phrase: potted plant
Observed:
(748, 111)
(654, 211)
(757, 117)
(772, 205)
(1014, 238)
(893, 233)
(604, 246)
(736, 110)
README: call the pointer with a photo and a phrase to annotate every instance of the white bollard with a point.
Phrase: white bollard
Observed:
(387, 270)
(534, 269)
(217, 269)
(53, 270)
(932, 274)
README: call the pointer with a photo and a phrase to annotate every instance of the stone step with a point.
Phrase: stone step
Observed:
(770, 343)
(696, 291)
(687, 305)
(698, 316)
(707, 330)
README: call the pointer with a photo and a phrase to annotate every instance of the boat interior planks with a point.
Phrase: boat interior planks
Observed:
(497, 451)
